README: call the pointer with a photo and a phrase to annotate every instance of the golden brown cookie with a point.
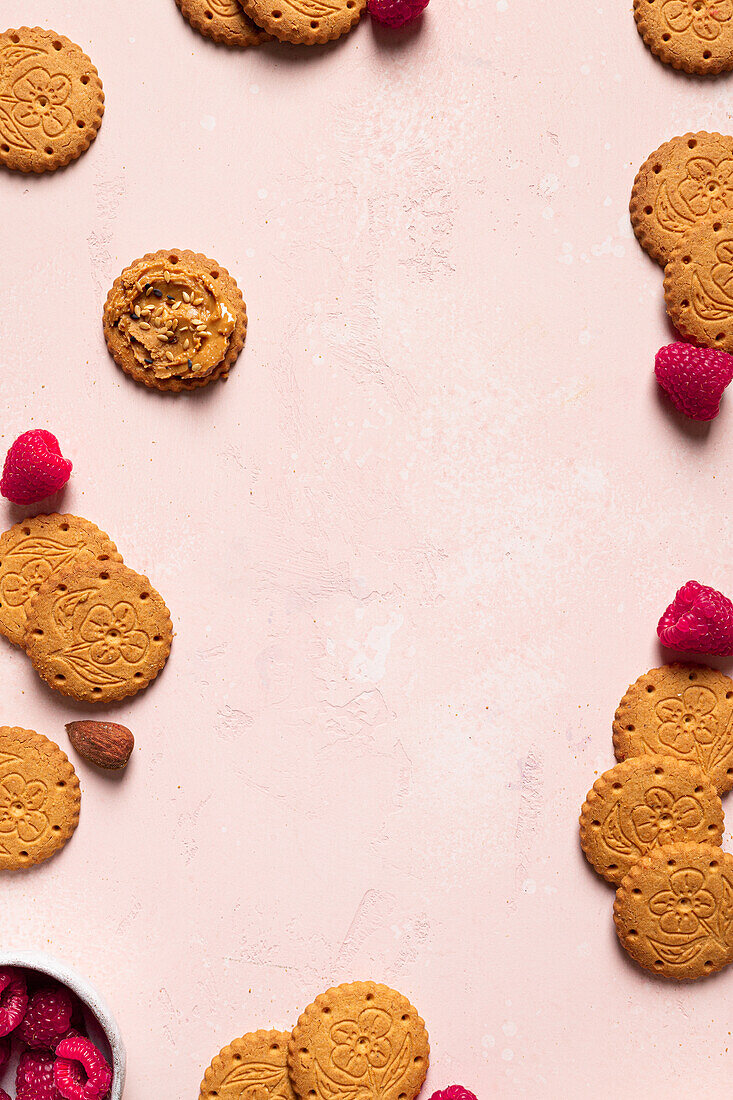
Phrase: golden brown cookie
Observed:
(253, 1066)
(680, 710)
(698, 285)
(39, 798)
(223, 21)
(305, 22)
(175, 320)
(51, 100)
(645, 803)
(359, 1039)
(98, 632)
(686, 181)
(674, 910)
(34, 549)
(693, 35)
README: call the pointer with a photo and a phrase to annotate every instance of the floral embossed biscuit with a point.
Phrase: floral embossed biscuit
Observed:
(305, 22)
(674, 910)
(51, 100)
(694, 35)
(359, 1040)
(223, 21)
(98, 632)
(684, 711)
(686, 181)
(698, 285)
(255, 1065)
(39, 798)
(34, 549)
(645, 803)
(175, 320)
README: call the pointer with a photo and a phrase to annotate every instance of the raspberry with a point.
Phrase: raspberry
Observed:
(80, 1071)
(699, 620)
(34, 468)
(453, 1092)
(34, 1076)
(13, 999)
(4, 1095)
(47, 1018)
(394, 13)
(4, 1053)
(694, 378)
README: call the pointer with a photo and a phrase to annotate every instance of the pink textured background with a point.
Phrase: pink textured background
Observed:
(415, 548)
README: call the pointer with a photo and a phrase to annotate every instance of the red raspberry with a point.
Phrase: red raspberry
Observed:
(4, 1053)
(699, 620)
(47, 1018)
(694, 378)
(394, 13)
(34, 1076)
(34, 468)
(13, 999)
(4, 1095)
(80, 1071)
(453, 1092)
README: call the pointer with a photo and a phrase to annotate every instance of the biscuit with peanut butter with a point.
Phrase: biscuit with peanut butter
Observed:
(175, 320)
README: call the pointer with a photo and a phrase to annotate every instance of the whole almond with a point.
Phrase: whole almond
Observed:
(102, 743)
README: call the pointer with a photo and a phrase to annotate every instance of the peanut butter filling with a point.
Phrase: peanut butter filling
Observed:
(173, 320)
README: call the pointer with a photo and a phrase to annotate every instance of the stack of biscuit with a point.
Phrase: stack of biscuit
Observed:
(251, 22)
(682, 213)
(653, 825)
(93, 629)
(355, 1040)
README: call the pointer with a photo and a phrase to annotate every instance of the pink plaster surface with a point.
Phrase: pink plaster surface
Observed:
(415, 548)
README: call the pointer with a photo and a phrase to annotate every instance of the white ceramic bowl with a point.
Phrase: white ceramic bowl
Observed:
(44, 964)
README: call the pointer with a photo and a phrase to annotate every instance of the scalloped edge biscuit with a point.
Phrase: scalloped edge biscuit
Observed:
(288, 22)
(253, 1044)
(686, 60)
(43, 525)
(43, 662)
(360, 993)
(599, 794)
(622, 743)
(218, 29)
(643, 190)
(65, 824)
(232, 295)
(682, 285)
(34, 161)
(628, 924)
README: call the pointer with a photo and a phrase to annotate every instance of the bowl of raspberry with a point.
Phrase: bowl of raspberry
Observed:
(58, 1039)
